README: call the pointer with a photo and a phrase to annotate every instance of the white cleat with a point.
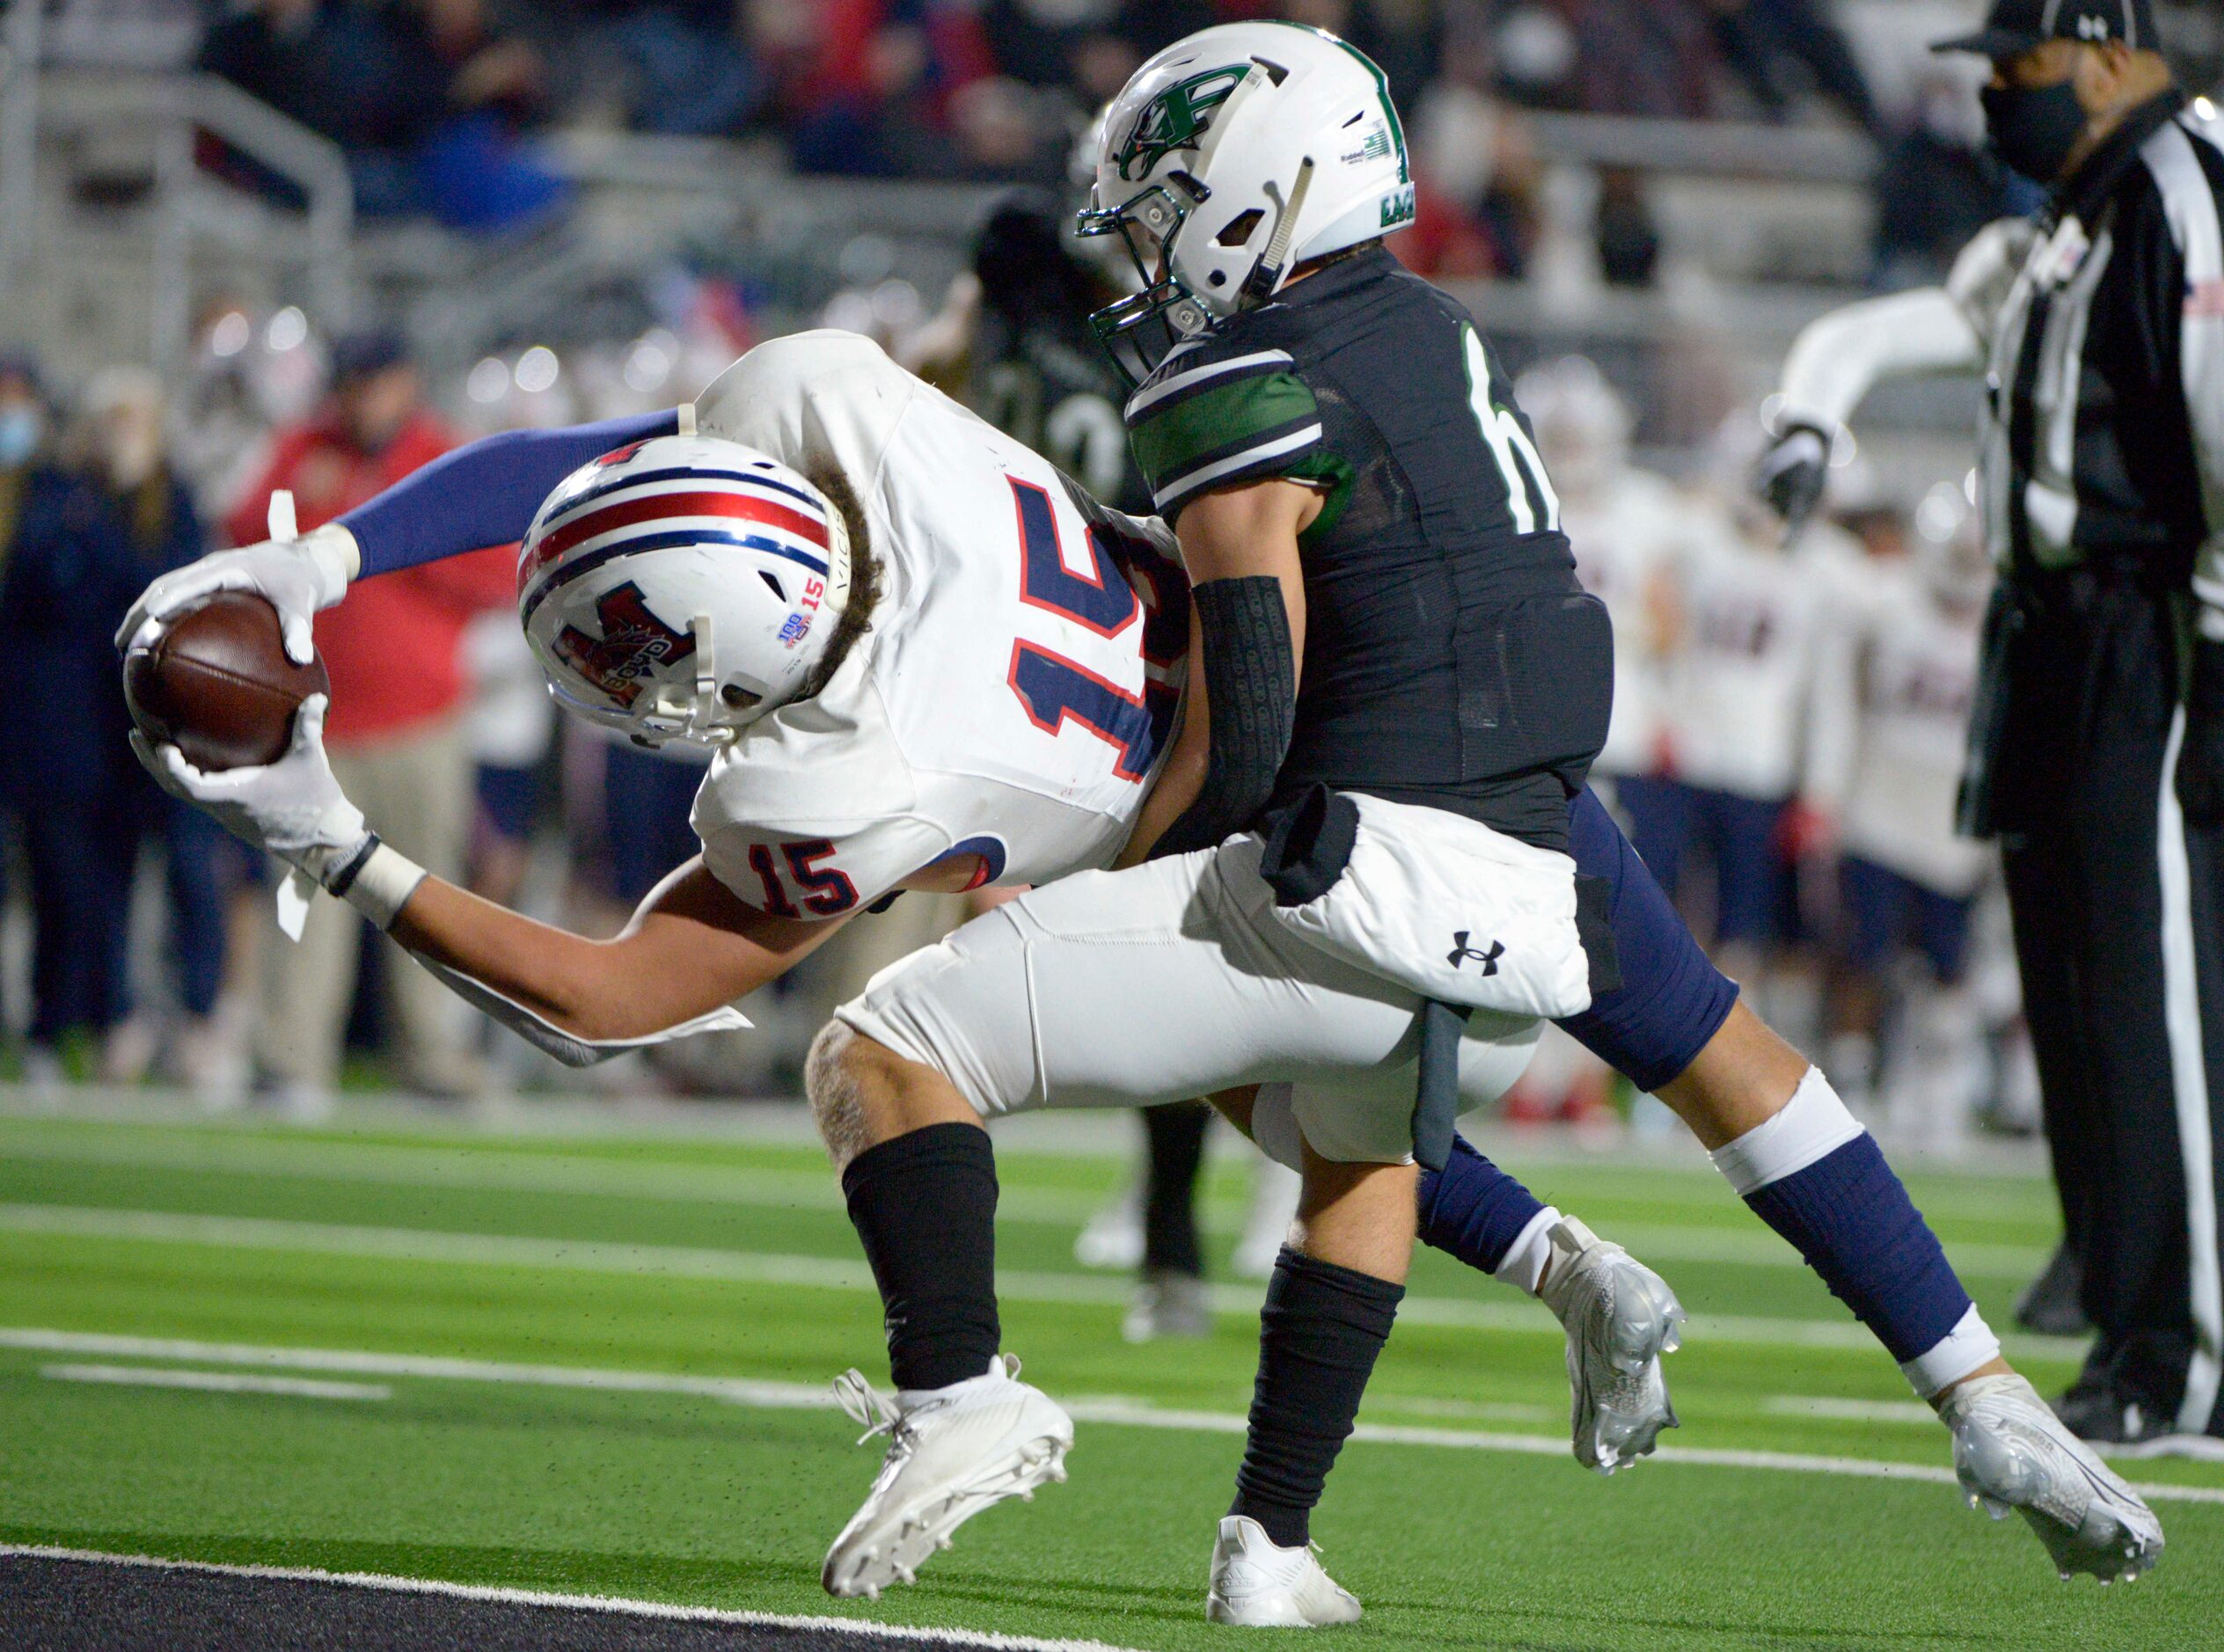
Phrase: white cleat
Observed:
(1113, 1240)
(951, 1453)
(2011, 1452)
(1621, 1317)
(1169, 1304)
(1257, 1585)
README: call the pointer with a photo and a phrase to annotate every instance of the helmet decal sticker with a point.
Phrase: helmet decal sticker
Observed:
(1175, 119)
(634, 642)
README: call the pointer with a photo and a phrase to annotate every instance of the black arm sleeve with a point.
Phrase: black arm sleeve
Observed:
(1251, 676)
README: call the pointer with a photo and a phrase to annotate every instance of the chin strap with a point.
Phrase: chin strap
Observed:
(1266, 275)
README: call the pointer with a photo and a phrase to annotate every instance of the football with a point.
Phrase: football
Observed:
(217, 684)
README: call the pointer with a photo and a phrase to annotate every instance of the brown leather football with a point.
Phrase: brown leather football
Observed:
(216, 683)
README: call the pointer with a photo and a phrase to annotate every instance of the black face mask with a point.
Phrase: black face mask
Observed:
(2034, 128)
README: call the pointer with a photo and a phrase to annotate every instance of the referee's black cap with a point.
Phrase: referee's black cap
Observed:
(2016, 27)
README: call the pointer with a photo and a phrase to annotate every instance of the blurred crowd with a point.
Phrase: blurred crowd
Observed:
(446, 109)
(1784, 750)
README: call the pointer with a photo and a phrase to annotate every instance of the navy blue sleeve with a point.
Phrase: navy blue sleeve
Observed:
(485, 494)
(1671, 999)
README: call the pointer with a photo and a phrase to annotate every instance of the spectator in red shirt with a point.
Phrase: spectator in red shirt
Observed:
(395, 729)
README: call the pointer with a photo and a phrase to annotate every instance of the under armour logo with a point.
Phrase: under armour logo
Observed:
(1461, 951)
(2092, 28)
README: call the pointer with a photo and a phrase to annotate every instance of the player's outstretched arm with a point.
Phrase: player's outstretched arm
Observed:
(1843, 355)
(1836, 361)
(691, 950)
(482, 495)
(676, 968)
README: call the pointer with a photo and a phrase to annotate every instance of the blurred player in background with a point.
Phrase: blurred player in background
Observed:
(1739, 690)
(1626, 528)
(2096, 745)
(1897, 672)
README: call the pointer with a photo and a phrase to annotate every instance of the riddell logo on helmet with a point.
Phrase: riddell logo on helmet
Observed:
(634, 642)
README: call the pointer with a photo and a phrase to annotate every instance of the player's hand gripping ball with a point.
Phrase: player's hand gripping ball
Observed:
(215, 682)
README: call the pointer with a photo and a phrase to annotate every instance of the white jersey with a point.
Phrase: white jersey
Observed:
(1018, 687)
(1625, 536)
(1900, 675)
(1738, 687)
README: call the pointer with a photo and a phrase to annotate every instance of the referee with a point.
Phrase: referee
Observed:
(2096, 753)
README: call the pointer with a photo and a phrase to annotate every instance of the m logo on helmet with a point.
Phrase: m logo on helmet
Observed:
(634, 642)
(1176, 119)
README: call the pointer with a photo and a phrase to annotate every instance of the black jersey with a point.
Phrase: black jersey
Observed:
(1044, 381)
(1451, 657)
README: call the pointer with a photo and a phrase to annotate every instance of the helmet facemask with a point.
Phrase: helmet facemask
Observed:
(1141, 330)
(698, 712)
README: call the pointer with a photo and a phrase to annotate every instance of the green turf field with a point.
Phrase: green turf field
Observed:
(597, 1363)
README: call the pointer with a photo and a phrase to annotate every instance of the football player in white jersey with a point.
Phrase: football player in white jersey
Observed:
(1628, 529)
(923, 662)
(1895, 677)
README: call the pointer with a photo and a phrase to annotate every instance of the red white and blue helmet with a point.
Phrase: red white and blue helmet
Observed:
(682, 588)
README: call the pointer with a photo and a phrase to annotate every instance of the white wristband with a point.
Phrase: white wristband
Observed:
(332, 552)
(383, 885)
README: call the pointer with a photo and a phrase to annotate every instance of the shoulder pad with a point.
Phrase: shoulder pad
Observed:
(1220, 415)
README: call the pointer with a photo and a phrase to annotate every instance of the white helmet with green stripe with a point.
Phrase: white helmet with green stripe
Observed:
(1230, 159)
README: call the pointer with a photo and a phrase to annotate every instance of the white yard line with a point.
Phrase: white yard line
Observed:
(479, 1169)
(811, 1396)
(775, 1267)
(612, 1604)
(381, 1164)
(1835, 1410)
(221, 1382)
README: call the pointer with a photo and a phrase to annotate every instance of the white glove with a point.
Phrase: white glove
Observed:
(293, 808)
(298, 576)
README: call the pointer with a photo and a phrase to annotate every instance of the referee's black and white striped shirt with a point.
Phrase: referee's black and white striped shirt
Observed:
(2103, 438)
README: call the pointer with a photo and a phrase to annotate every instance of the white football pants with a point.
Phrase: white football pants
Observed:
(1165, 981)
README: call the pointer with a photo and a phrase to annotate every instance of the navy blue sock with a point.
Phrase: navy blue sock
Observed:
(1472, 1211)
(1850, 1217)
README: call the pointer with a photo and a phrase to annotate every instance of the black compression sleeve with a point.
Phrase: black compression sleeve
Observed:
(1251, 676)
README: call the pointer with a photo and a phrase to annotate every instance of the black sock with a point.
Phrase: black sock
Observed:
(1319, 1333)
(1176, 1137)
(925, 1205)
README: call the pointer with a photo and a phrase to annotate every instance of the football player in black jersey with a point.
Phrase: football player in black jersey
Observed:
(1396, 682)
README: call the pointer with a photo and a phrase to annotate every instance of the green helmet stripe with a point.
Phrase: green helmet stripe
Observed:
(1381, 86)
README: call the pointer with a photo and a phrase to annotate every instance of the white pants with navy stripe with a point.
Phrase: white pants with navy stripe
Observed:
(1165, 981)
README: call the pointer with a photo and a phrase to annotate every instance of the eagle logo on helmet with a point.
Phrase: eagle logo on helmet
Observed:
(1175, 119)
(634, 642)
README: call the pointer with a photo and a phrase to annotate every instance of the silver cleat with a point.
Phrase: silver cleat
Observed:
(1621, 1317)
(2012, 1452)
